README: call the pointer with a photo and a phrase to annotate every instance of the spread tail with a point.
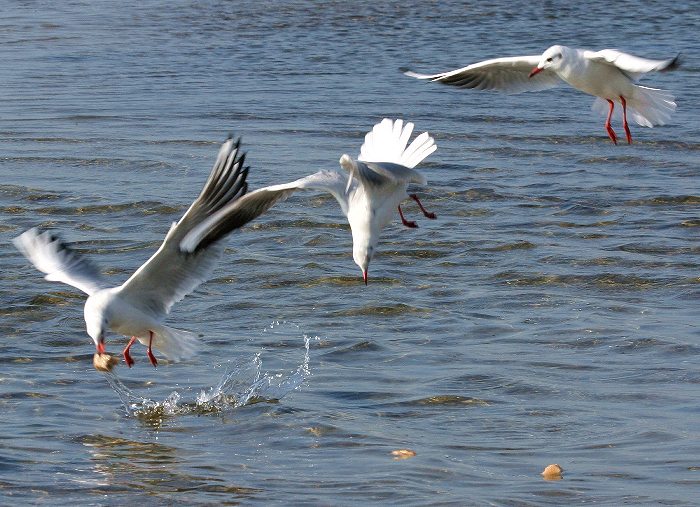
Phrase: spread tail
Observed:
(387, 143)
(175, 344)
(647, 107)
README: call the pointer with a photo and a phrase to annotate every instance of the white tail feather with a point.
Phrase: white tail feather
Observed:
(175, 344)
(647, 107)
(420, 148)
(387, 143)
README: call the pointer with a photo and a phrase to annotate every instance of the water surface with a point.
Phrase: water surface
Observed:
(549, 315)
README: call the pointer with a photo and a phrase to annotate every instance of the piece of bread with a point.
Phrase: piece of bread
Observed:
(104, 362)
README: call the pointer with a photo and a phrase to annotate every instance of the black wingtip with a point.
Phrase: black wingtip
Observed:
(403, 70)
(243, 177)
(236, 146)
(55, 238)
(673, 64)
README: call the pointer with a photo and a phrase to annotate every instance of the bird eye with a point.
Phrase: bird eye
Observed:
(549, 59)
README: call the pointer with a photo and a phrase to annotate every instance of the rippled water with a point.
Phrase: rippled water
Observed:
(549, 315)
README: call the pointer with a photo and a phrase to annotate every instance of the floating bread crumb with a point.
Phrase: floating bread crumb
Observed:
(552, 472)
(104, 362)
(315, 431)
(403, 453)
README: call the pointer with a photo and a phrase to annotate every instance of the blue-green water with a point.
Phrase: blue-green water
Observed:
(549, 315)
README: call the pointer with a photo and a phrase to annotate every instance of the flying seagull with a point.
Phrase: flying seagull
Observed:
(610, 75)
(187, 257)
(374, 188)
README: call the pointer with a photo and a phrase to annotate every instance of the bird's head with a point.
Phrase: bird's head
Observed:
(551, 59)
(365, 234)
(362, 252)
(96, 320)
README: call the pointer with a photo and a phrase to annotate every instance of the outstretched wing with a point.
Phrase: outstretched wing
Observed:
(633, 66)
(58, 261)
(509, 74)
(385, 160)
(259, 201)
(172, 272)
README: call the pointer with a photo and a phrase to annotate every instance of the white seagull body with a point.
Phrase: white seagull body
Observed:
(375, 186)
(609, 75)
(186, 258)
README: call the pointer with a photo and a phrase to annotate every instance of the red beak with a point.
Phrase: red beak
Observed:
(364, 276)
(101, 348)
(536, 70)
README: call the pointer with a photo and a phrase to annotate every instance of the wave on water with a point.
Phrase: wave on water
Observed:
(244, 382)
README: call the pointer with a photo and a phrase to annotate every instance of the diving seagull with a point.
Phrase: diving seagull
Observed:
(374, 187)
(186, 258)
(610, 75)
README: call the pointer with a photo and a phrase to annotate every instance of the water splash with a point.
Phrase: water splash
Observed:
(243, 383)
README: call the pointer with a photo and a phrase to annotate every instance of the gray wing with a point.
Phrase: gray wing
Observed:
(172, 272)
(58, 261)
(508, 75)
(325, 181)
(379, 174)
(633, 66)
(393, 173)
(256, 203)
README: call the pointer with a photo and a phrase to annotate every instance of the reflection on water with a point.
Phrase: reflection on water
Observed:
(243, 383)
(119, 465)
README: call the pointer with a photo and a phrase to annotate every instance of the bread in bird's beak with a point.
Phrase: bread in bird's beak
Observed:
(104, 361)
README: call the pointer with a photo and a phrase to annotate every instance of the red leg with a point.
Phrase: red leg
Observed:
(624, 120)
(149, 352)
(427, 213)
(411, 224)
(608, 127)
(127, 357)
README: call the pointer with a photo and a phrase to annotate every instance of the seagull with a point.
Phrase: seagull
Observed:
(376, 185)
(610, 75)
(186, 258)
